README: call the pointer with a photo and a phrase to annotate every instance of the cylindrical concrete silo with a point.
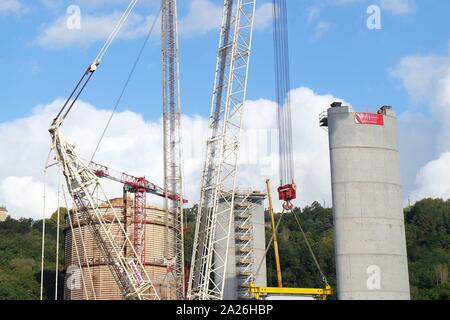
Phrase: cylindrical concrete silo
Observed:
(94, 278)
(370, 242)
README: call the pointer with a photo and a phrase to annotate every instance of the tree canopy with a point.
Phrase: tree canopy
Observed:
(427, 233)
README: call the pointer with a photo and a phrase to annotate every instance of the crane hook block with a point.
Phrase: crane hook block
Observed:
(287, 193)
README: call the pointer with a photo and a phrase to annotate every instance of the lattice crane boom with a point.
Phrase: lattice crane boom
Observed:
(92, 206)
(133, 182)
(208, 268)
(173, 164)
(96, 211)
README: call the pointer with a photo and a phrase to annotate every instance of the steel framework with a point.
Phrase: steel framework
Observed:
(134, 183)
(88, 195)
(208, 266)
(139, 221)
(244, 242)
(173, 166)
(139, 186)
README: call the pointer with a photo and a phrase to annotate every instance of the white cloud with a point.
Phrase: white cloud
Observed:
(263, 16)
(94, 28)
(321, 29)
(135, 146)
(202, 16)
(424, 77)
(28, 192)
(432, 180)
(398, 7)
(13, 6)
(427, 80)
(417, 134)
(313, 12)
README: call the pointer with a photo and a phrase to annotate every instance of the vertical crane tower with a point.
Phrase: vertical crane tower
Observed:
(208, 267)
(173, 168)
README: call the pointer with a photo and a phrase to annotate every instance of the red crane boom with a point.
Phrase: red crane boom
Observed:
(132, 182)
(140, 187)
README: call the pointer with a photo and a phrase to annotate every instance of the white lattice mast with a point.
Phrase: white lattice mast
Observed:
(173, 165)
(208, 267)
(96, 211)
(92, 206)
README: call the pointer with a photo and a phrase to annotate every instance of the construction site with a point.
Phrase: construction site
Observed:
(130, 248)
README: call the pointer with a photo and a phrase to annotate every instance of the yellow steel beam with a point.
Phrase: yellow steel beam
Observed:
(275, 238)
(261, 292)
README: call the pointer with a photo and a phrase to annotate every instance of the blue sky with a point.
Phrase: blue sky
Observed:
(348, 60)
(334, 55)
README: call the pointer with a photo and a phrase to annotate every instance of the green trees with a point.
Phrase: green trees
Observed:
(428, 241)
(20, 258)
(427, 226)
(297, 264)
(427, 234)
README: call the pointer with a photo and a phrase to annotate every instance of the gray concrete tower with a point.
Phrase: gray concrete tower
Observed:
(370, 242)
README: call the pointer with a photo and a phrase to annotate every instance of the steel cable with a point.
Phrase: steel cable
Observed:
(270, 242)
(125, 86)
(81, 85)
(282, 76)
(310, 250)
(43, 225)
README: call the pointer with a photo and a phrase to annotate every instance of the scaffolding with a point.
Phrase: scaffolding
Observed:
(244, 239)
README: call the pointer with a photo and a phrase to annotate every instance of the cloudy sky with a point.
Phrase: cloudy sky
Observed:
(334, 56)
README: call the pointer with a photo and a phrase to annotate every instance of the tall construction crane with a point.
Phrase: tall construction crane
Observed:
(173, 165)
(88, 196)
(90, 199)
(132, 182)
(213, 225)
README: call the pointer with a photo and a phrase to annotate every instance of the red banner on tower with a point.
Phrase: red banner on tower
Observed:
(369, 118)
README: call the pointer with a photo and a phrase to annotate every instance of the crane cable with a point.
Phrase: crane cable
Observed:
(125, 86)
(270, 242)
(87, 75)
(73, 237)
(281, 56)
(324, 278)
(316, 262)
(44, 202)
(58, 217)
(282, 67)
(116, 30)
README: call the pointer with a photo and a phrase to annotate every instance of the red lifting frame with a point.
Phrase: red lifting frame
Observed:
(287, 193)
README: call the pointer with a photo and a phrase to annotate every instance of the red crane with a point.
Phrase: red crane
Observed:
(132, 182)
(139, 186)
